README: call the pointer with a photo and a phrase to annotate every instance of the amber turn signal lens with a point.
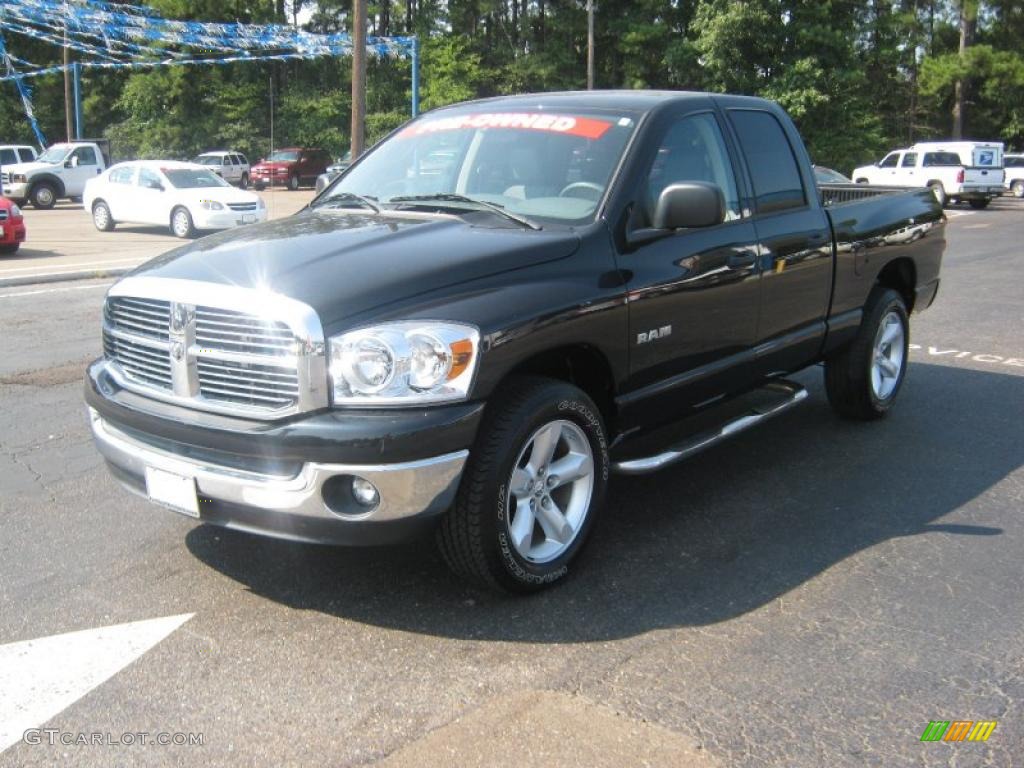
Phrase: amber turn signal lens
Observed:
(462, 355)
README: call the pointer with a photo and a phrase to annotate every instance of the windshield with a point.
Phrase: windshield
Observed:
(188, 178)
(540, 165)
(55, 154)
(283, 157)
(828, 176)
(208, 160)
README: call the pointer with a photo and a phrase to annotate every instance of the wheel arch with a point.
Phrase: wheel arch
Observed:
(900, 275)
(47, 178)
(581, 365)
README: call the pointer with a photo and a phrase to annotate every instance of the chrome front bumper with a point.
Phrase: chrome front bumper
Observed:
(412, 489)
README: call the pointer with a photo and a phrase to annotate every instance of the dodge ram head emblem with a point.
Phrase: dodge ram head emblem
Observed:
(181, 316)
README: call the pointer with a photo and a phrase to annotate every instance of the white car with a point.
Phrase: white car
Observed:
(953, 170)
(1014, 165)
(233, 167)
(184, 197)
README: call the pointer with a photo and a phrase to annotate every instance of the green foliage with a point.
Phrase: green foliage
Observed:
(857, 77)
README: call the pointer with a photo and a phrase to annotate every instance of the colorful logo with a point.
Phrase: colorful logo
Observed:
(958, 730)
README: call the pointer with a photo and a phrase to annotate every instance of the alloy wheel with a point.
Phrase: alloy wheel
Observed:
(550, 491)
(888, 355)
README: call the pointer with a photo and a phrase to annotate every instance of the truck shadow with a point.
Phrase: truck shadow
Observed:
(706, 541)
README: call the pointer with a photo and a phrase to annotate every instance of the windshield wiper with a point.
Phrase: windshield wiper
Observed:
(481, 205)
(366, 202)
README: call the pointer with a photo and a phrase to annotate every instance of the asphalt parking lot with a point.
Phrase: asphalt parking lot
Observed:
(812, 593)
(63, 241)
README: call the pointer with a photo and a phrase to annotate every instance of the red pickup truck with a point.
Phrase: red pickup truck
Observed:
(290, 166)
(12, 226)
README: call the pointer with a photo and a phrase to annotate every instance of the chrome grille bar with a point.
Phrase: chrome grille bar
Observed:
(213, 354)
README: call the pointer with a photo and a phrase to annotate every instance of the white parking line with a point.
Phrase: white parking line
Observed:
(55, 290)
(75, 266)
(41, 678)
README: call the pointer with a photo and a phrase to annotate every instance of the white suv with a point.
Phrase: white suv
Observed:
(233, 167)
(16, 153)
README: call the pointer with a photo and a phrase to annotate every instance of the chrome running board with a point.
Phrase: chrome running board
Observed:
(792, 392)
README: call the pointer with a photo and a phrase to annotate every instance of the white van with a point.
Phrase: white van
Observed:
(970, 171)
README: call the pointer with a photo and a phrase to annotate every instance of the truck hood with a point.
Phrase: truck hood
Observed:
(344, 263)
(28, 168)
(276, 165)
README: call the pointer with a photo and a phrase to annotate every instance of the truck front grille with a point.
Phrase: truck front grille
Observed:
(5, 178)
(242, 206)
(215, 358)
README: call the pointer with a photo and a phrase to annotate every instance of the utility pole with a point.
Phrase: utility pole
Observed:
(590, 45)
(358, 77)
(968, 19)
(67, 79)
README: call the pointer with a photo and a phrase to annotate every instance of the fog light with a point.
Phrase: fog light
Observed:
(365, 492)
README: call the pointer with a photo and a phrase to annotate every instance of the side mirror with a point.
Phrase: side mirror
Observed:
(72, 162)
(684, 205)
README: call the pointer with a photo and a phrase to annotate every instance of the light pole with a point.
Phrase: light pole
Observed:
(358, 77)
(590, 45)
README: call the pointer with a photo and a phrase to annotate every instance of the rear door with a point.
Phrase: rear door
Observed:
(795, 242)
(692, 296)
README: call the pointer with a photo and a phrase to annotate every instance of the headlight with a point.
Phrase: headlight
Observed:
(18, 178)
(260, 205)
(15, 211)
(407, 363)
(211, 205)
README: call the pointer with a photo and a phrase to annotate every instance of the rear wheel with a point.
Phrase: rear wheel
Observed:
(293, 182)
(1017, 188)
(243, 183)
(939, 191)
(863, 379)
(43, 195)
(532, 489)
(7, 250)
(979, 204)
(181, 223)
(101, 217)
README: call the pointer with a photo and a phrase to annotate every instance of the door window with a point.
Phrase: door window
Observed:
(909, 160)
(692, 150)
(7, 157)
(890, 160)
(149, 179)
(122, 175)
(773, 166)
(85, 155)
(26, 155)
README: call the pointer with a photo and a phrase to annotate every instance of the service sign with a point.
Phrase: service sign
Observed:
(570, 125)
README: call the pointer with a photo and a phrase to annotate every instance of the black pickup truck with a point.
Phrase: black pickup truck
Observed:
(494, 310)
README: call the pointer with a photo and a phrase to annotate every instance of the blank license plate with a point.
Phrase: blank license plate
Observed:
(175, 491)
(248, 218)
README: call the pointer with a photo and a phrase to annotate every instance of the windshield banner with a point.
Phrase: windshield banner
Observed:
(571, 125)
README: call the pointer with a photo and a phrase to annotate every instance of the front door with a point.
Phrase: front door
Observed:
(80, 166)
(693, 295)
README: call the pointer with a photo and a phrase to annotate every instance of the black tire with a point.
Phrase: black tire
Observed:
(293, 182)
(979, 204)
(180, 217)
(243, 183)
(101, 217)
(259, 186)
(43, 196)
(7, 250)
(475, 535)
(940, 192)
(849, 371)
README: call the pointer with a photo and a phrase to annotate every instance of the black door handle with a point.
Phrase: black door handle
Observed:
(741, 260)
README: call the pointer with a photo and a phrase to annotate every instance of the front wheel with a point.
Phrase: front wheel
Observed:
(532, 488)
(243, 183)
(44, 196)
(863, 379)
(181, 223)
(293, 182)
